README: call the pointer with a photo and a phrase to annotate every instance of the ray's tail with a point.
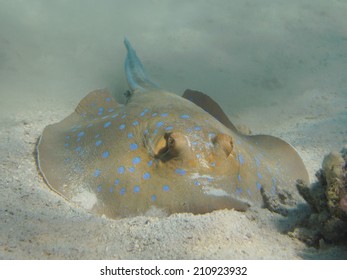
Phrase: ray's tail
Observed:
(137, 78)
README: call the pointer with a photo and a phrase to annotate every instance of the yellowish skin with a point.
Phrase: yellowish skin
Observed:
(160, 151)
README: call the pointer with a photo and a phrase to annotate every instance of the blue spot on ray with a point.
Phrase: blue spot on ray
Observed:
(259, 175)
(144, 112)
(133, 146)
(197, 128)
(98, 143)
(121, 169)
(258, 185)
(135, 123)
(166, 188)
(154, 114)
(105, 154)
(100, 111)
(130, 135)
(122, 191)
(80, 134)
(111, 189)
(146, 176)
(240, 158)
(116, 182)
(97, 173)
(99, 188)
(159, 124)
(108, 99)
(150, 163)
(67, 137)
(180, 171)
(164, 114)
(239, 177)
(170, 127)
(136, 189)
(122, 126)
(131, 169)
(114, 116)
(154, 197)
(184, 116)
(107, 124)
(136, 160)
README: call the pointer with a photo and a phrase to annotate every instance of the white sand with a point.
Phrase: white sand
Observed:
(279, 69)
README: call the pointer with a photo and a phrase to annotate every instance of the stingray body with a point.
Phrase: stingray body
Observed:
(160, 151)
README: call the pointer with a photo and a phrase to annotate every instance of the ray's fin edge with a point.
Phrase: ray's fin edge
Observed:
(270, 144)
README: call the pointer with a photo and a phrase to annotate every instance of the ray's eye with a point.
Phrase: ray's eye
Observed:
(223, 143)
(163, 147)
(170, 140)
(169, 146)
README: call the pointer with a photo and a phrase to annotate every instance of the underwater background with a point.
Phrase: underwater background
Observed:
(243, 53)
(276, 67)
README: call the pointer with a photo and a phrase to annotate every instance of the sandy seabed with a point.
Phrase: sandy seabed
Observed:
(278, 67)
(36, 223)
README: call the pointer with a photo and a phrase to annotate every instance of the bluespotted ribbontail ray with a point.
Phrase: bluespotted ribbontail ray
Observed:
(160, 151)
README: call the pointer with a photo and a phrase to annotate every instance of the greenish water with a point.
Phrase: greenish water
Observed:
(276, 66)
(243, 53)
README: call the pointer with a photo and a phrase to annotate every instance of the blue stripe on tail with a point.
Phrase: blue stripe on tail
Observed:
(134, 71)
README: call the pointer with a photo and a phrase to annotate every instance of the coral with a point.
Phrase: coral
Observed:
(343, 203)
(281, 203)
(333, 168)
(328, 201)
